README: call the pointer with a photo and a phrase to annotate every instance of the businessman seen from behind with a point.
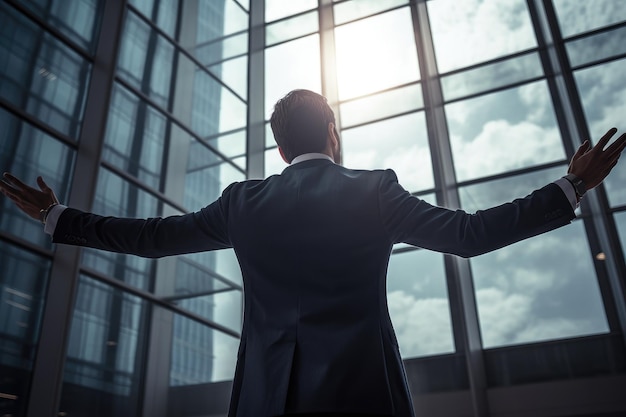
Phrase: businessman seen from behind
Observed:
(313, 244)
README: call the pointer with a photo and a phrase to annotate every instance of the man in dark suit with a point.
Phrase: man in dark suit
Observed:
(313, 244)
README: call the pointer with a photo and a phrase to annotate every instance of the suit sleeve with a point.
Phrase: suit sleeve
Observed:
(152, 238)
(408, 219)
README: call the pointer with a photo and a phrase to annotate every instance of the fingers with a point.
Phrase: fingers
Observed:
(15, 182)
(618, 146)
(605, 139)
(582, 149)
(42, 184)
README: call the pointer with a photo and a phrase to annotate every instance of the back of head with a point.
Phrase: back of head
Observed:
(300, 123)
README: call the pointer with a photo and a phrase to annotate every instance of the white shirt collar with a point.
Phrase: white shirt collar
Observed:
(309, 156)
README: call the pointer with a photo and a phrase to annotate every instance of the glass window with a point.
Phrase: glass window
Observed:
(400, 143)
(28, 152)
(201, 354)
(418, 303)
(356, 9)
(23, 283)
(146, 60)
(376, 53)
(277, 9)
(289, 66)
(40, 75)
(291, 28)
(381, 105)
(539, 289)
(463, 31)
(499, 132)
(274, 163)
(597, 47)
(135, 137)
(620, 221)
(79, 22)
(117, 197)
(103, 369)
(491, 76)
(581, 16)
(233, 73)
(602, 90)
(162, 12)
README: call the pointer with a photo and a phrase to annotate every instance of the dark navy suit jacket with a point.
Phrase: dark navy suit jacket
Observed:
(313, 244)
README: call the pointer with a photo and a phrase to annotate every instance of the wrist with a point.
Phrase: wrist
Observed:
(43, 213)
(579, 185)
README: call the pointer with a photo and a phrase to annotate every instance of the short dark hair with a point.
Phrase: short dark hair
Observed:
(300, 123)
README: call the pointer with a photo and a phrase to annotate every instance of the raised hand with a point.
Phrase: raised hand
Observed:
(593, 164)
(31, 201)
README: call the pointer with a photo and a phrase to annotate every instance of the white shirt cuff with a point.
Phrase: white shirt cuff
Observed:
(53, 218)
(569, 191)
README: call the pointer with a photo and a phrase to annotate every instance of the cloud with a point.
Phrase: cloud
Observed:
(422, 326)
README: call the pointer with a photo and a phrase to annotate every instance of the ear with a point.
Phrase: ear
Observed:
(282, 154)
(333, 137)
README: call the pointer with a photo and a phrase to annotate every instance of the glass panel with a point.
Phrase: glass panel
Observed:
(400, 143)
(602, 90)
(40, 75)
(274, 164)
(596, 48)
(381, 105)
(78, 22)
(539, 289)
(492, 193)
(355, 9)
(223, 306)
(135, 137)
(201, 354)
(463, 31)
(302, 57)
(23, 283)
(209, 53)
(291, 28)
(103, 369)
(27, 152)
(162, 12)
(231, 145)
(204, 104)
(582, 16)
(376, 53)
(276, 9)
(418, 303)
(117, 197)
(491, 76)
(233, 73)
(499, 132)
(146, 60)
(620, 221)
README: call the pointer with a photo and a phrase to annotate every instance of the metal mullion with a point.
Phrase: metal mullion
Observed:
(291, 39)
(497, 60)
(145, 295)
(174, 298)
(598, 62)
(599, 224)
(328, 58)
(173, 119)
(255, 126)
(291, 16)
(221, 39)
(496, 89)
(382, 119)
(461, 293)
(594, 32)
(513, 173)
(47, 376)
(384, 90)
(52, 30)
(223, 60)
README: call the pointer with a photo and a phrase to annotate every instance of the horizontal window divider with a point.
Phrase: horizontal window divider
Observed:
(180, 297)
(382, 119)
(136, 182)
(145, 295)
(241, 6)
(514, 173)
(271, 45)
(376, 93)
(598, 62)
(73, 45)
(618, 208)
(495, 90)
(491, 62)
(223, 60)
(214, 274)
(594, 32)
(291, 16)
(221, 39)
(34, 121)
(182, 125)
(25, 244)
(553, 342)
